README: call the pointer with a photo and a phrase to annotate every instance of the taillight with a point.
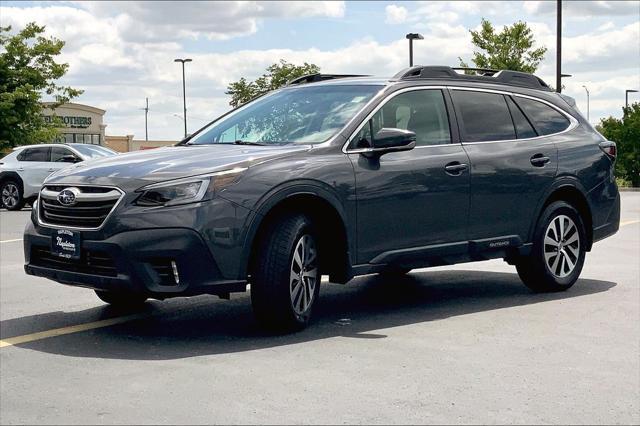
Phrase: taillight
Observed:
(609, 148)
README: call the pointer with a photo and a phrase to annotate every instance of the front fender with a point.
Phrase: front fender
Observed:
(281, 193)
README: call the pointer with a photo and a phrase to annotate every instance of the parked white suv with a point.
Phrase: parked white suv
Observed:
(23, 171)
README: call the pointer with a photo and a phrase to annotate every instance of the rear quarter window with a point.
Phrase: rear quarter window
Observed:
(545, 119)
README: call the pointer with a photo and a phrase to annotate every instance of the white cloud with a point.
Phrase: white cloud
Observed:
(584, 8)
(118, 53)
(395, 14)
(140, 20)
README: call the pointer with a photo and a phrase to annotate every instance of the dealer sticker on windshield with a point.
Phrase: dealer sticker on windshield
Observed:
(65, 243)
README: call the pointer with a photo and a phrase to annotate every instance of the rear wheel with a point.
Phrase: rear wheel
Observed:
(286, 279)
(121, 300)
(558, 250)
(11, 195)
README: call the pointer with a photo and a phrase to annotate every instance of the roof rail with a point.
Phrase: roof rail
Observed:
(312, 78)
(476, 71)
(513, 78)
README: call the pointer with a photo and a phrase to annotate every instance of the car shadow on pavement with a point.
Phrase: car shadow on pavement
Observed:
(182, 328)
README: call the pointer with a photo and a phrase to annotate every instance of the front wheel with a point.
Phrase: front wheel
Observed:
(286, 279)
(558, 251)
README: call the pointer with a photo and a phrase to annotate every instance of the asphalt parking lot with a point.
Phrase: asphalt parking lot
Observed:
(462, 344)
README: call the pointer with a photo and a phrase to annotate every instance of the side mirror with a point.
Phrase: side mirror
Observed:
(391, 140)
(70, 159)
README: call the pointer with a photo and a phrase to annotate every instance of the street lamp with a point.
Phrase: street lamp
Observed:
(411, 37)
(559, 46)
(587, 90)
(626, 97)
(559, 88)
(184, 94)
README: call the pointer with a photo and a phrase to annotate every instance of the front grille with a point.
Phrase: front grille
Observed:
(91, 262)
(91, 208)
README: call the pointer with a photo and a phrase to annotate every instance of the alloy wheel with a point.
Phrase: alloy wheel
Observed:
(10, 195)
(304, 274)
(561, 246)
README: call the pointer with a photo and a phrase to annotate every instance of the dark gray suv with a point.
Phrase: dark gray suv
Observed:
(343, 176)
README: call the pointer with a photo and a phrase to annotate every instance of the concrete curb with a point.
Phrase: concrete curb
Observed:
(629, 189)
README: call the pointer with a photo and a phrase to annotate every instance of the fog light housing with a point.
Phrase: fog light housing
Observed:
(174, 268)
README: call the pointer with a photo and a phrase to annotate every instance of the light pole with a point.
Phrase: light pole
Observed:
(626, 97)
(559, 89)
(184, 94)
(587, 90)
(411, 37)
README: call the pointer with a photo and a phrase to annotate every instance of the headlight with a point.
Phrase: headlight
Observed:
(187, 190)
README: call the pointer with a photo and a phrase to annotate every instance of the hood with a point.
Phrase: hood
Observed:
(135, 169)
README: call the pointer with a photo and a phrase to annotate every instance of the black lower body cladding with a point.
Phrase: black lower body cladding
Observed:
(157, 262)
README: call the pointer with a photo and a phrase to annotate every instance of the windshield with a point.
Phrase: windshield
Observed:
(90, 151)
(304, 115)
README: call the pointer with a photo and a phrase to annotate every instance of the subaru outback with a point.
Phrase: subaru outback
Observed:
(339, 176)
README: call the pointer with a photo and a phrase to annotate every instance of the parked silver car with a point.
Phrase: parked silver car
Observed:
(23, 171)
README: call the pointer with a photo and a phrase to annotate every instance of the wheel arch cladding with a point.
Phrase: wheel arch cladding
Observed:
(5, 176)
(573, 196)
(329, 228)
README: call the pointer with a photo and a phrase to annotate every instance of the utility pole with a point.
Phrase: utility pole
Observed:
(184, 93)
(558, 46)
(146, 113)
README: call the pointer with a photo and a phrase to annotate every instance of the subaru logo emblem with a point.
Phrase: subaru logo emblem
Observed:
(67, 197)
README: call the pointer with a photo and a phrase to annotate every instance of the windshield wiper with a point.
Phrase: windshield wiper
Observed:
(239, 142)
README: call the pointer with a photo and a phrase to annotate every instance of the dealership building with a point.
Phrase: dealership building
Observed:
(84, 124)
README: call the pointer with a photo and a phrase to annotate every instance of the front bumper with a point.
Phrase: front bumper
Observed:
(138, 261)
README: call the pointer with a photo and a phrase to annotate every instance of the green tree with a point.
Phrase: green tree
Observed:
(277, 75)
(28, 70)
(625, 132)
(510, 49)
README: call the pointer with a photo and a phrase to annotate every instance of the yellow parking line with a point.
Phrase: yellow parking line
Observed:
(629, 222)
(11, 341)
(11, 241)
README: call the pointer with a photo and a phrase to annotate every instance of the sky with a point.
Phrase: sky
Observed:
(121, 52)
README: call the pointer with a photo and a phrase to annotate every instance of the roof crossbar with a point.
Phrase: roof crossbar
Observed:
(312, 78)
(513, 78)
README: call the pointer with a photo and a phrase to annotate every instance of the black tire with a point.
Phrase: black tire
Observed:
(277, 298)
(11, 195)
(121, 300)
(551, 272)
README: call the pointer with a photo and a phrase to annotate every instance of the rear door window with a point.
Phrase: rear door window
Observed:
(483, 116)
(34, 154)
(524, 129)
(544, 118)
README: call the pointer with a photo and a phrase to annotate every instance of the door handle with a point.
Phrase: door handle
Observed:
(539, 160)
(52, 170)
(455, 168)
